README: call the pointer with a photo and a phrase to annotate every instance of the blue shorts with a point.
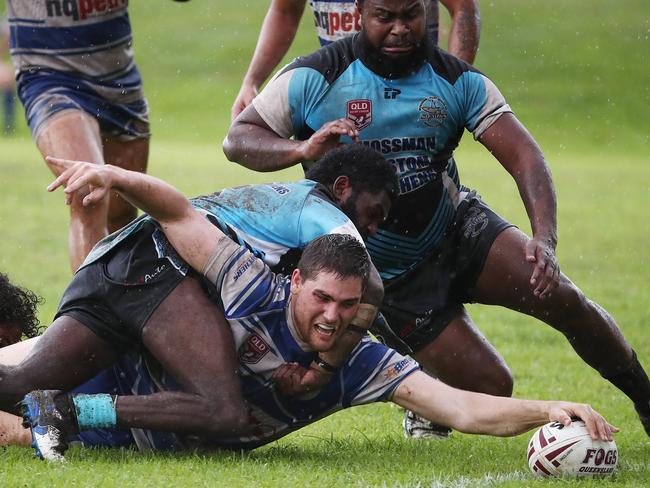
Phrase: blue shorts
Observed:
(45, 93)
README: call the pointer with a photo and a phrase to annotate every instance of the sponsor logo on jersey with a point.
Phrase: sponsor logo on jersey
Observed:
(244, 267)
(391, 93)
(433, 111)
(81, 9)
(360, 112)
(333, 25)
(396, 369)
(280, 189)
(253, 350)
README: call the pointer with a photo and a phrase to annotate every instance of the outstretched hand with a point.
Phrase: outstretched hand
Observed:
(596, 424)
(77, 175)
(546, 274)
(327, 138)
(292, 379)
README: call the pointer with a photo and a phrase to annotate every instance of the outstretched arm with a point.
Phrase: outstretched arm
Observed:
(277, 33)
(478, 413)
(513, 146)
(465, 28)
(188, 231)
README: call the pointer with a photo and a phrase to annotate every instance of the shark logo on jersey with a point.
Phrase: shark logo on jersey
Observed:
(360, 112)
(253, 350)
(433, 111)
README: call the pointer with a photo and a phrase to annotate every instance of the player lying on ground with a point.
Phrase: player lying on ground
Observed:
(441, 246)
(349, 191)
(133, 287)
(275, 320)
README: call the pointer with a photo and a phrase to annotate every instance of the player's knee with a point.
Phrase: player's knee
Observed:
(570, 306)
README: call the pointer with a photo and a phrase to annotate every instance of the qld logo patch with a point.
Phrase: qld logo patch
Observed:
(360, 112)
(433, 111)
(253, 350)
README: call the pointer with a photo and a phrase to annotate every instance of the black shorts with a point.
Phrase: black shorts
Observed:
(421, 303)
(115, 296)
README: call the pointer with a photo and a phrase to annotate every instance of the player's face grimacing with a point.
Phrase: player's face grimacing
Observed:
(394, 27)
(366, 210)
(323, 306)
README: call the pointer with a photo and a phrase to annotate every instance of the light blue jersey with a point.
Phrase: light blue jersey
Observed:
(275, 221)
(415, 121)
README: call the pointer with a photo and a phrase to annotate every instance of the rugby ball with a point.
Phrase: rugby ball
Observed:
(556, 450)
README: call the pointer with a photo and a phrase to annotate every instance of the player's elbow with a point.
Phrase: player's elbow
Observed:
(230, 147)
(228, 422)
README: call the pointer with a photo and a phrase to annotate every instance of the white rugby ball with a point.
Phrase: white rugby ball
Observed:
(556, 450)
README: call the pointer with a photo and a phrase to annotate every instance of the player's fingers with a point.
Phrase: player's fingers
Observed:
(60, 162)
(529, 249)
(94, 196)
(81, 179)
(59, 181)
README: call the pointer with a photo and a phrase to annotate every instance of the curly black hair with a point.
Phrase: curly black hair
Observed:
(366, 168)
(18, 307)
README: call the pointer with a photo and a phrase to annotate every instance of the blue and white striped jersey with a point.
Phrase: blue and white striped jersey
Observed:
(257, 306)
(275, 221)
(89, 38)
(416, 121)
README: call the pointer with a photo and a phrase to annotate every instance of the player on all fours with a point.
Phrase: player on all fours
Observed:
(279, 324)
(335, 19)
(441, 246)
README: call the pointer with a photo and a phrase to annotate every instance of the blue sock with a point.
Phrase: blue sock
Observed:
(95, 411)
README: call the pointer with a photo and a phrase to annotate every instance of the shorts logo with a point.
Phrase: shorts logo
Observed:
(360, 112)
(433, 111)
(253, 350)
(475, 222)
(153, 275)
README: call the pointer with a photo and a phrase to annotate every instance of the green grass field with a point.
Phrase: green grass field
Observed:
(576, 73)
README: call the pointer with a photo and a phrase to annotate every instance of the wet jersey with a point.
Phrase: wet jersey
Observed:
(336, 19)
(90, 39)
(415, 121)
(275, 221)
(256, 303)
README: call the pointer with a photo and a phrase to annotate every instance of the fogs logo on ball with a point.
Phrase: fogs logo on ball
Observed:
(556, 450)
(360, 112)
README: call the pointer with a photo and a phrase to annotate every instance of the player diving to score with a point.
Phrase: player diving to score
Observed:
(279, 324)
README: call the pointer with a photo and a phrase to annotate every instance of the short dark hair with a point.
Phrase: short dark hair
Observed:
(366, 169)
(341, 254)
(18, 307)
